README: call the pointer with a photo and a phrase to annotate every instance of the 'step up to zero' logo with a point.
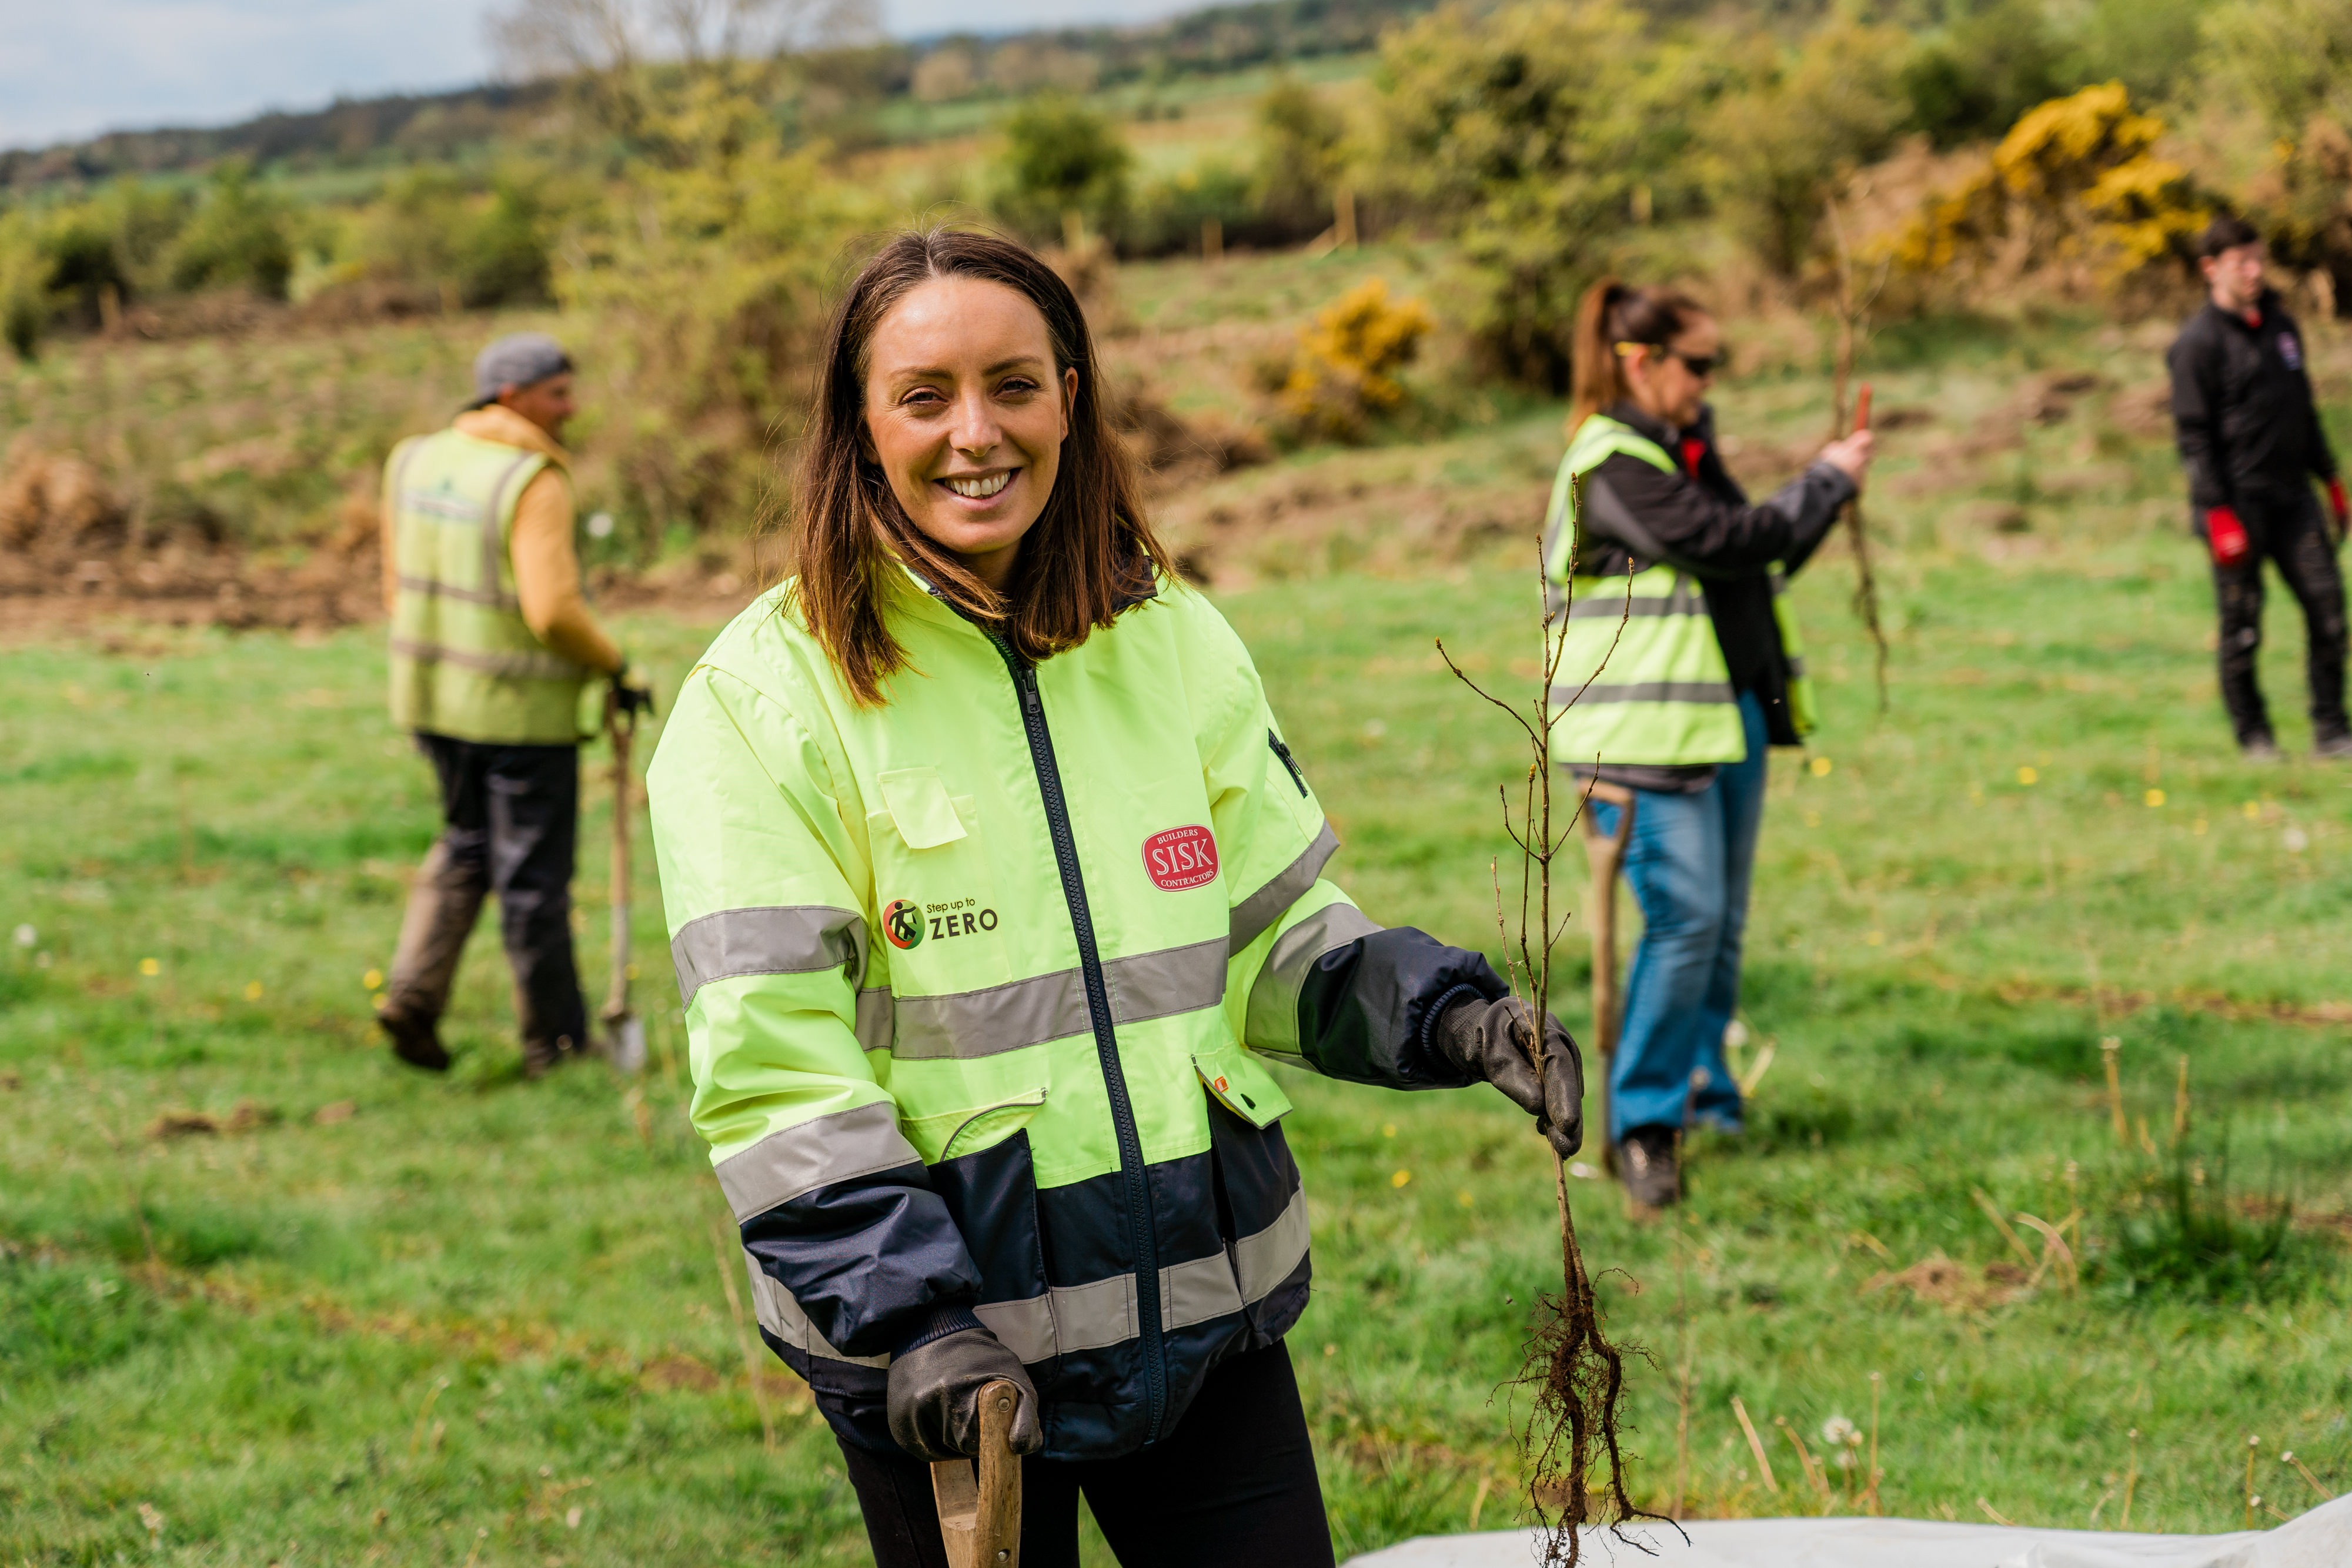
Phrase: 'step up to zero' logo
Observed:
(903, 923)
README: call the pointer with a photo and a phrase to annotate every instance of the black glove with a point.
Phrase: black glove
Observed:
(1486, 1039)
(632, 693)
(934, 1396)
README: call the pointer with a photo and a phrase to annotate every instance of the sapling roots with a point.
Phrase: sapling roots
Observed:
(1573, 1462)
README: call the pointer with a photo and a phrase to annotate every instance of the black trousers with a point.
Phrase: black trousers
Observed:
(2289, 531)
(512, 824)
(1232, 1486)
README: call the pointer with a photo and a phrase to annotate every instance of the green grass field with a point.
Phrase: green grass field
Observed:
(478, 1321)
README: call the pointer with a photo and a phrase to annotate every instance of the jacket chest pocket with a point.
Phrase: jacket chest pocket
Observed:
(934, 887)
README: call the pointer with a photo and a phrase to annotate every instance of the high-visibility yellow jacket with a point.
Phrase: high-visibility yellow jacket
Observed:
(464, 662)
(979, 984)
(1642, 675)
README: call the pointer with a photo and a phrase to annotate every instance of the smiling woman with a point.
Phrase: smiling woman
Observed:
(969, 389)
(991, 884)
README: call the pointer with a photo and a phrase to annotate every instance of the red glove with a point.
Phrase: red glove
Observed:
(2336, 504)
(2226, 536)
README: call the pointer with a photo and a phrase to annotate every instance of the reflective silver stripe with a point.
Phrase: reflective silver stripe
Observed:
(1649, 692)
(841, 1146)
(875, 1019)
(1269, 1257)
(517, 666)
(1026, 1327)
(1098, 1316)
(1271, 1020)
(493, 548)
(1197, 1291)
(432, 503)
(1606, 606)
(433, 587)
(781, 1316)
(1261, 909)
(776, 939)
(966, 1024)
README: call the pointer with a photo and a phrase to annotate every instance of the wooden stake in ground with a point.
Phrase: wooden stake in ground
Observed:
(1576, 1374)
(1852, 315)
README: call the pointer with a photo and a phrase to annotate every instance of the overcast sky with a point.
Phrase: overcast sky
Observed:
(69, 69)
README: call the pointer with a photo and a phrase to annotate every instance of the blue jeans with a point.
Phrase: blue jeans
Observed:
(1690, 861)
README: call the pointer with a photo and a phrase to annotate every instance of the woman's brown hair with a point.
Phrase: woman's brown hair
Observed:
(1611, 313)
(1090, 554)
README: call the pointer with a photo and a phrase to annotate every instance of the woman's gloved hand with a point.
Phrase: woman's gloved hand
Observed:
(934, 1396)
(1486, 1039)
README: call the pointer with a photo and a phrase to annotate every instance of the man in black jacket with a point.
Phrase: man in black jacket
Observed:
(2251, 442)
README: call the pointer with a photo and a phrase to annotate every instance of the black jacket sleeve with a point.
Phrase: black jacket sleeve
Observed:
(1368, 1009)
(2195, 361)
(1670, 517)
(876, 1262)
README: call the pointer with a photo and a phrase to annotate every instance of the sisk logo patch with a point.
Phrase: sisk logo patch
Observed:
(2290, 351)
(903, 923)
(1181, 858)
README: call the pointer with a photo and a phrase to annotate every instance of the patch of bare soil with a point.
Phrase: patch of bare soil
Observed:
(72, 554)
(1956, 1287)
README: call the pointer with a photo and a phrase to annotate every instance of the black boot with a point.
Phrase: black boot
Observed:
(1646, 1160)
(416, 1041)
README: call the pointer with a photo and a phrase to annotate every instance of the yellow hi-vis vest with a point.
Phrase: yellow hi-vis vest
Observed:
(1641, 676)
(464, 662)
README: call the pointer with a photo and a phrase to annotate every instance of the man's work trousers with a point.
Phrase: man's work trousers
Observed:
(1690, 861)
(512, 816)
(2290, 532)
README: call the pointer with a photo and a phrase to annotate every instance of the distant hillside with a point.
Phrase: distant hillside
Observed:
(411, 127)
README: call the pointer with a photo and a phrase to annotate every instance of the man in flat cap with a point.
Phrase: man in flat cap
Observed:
(491, 646)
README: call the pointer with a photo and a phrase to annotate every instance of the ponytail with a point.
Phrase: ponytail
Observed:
(1613, 312)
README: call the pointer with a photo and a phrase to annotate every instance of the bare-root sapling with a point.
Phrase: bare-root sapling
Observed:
(1571, 1456)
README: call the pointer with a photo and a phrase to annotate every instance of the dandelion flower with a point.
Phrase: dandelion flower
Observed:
(1821, 767)
(253, 990)
(1464, 1199)
(26, 936)
(373, 979)
(1399, 1178)
(2028, 776)
(1837, 1431)
(1387, 1129)
(2154, 798)
(150, 968)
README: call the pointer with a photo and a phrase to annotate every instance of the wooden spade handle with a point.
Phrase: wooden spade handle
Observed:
(979, 1501)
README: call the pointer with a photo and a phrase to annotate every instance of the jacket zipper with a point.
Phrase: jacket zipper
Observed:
(1141, 1233)
(1287, 761)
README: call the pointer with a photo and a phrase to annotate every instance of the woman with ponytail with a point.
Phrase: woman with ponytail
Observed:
(1676, 619)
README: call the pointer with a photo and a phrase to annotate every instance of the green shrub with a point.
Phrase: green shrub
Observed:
(697, 287)
(1988, 69)
(1802, 122)
(242, 234)
(1167, 215)
(1301, 158)
(430, 230)
(25, 307)
(1060, 159)
(1531, 133)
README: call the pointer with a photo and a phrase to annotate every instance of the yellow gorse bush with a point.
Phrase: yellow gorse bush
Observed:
(1344, 370)
(2075, 177)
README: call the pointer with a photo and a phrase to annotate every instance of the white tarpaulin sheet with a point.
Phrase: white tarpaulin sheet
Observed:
(2320, 1539)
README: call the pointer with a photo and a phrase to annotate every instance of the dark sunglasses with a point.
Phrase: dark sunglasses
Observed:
(1699, 365)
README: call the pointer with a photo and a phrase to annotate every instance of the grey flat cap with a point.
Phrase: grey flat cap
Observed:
(517, 360)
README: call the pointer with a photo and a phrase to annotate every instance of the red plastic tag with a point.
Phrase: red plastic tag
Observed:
(1181, 858)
